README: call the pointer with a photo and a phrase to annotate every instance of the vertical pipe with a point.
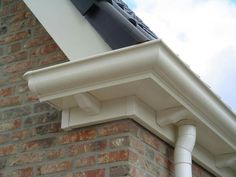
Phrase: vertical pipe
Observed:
(183, 150)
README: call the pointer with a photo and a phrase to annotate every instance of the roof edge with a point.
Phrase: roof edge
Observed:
(153, 60)
(179, 81)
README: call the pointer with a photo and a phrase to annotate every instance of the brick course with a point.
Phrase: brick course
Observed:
(31, 141)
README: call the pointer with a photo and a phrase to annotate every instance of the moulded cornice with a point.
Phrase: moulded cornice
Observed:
(151, 60)
(148, 60)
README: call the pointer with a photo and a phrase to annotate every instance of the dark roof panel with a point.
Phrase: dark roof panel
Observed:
(115, 22)
(132, 17)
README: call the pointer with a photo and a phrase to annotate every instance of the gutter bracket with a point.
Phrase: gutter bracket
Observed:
(88, 103)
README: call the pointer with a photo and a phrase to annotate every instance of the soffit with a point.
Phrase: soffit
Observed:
(150, 72)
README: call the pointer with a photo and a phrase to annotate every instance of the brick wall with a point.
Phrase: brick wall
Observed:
(31, 141)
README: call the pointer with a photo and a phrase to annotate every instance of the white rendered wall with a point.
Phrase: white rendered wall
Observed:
(70, 30)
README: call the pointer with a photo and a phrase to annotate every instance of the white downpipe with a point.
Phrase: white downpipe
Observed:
(183, 150)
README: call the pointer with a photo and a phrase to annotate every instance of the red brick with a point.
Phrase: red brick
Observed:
(26, 158)
(134, 128)
(19, 67)
(15, 112)
(76, 136)
(55, 154)
(7, 150)
(38, 31)
(20, 135)
(14, 37)
(86, 161)
(42, 118)
(16, 77)
(163, 161)
(151, 167)
(149, 153)
(137, 145)
(196, 171)
(4, 11)
(9, 101)
(32, 97)
(113, 156)
(119, 142)
(91, 173)
(45, 49)
(151, 140)
(87, 147)
(14, 57)
(135, 158)
(7, 2)
(4, 138)
(38, 144)
(6, 92)
(122, 170)
(54, 167)
(18, 7)
(22, 88)
(164, 173)
(3, 163)
(31, 22)
(37, 41)
(135, 172)
(10, 125)
(16, 26)
(42, 107)
(57, 57)
(47, 129)
(20, 16)
(25, 172)
(14, 48)
(113, 128)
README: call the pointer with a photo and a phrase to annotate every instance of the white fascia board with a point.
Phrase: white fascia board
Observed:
(148, 60)
(70, 30)
(152, 60)
(122, 108)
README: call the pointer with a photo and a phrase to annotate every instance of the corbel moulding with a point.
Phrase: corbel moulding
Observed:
(148, 61)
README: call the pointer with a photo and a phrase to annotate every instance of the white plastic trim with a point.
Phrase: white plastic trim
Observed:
(148, 60)
(88, 103)
(152, 60)
(172, 115)
(121, 108)
(183, 150)
(226, 160)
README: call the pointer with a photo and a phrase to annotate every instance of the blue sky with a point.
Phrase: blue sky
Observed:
(202, 33)
(132, 4)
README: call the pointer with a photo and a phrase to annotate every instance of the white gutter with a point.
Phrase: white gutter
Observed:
(183, 150)
(153, 61)
(145, 60)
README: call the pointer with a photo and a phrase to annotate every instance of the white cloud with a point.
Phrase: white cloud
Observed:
(202, 33)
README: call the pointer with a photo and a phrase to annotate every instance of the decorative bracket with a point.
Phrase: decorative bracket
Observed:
(88, 103)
